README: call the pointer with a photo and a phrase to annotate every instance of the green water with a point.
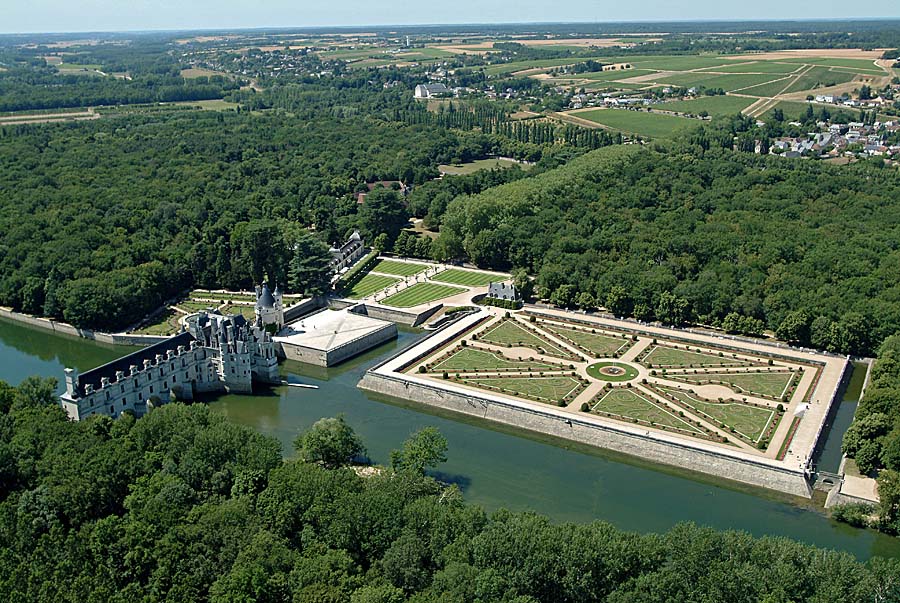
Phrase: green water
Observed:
(493, 467)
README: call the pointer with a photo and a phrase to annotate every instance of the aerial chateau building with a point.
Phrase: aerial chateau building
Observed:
(215, 354)
(345, 255)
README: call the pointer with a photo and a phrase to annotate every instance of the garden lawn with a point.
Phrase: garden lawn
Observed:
(552, 389)
(472, 360)
(398, 268)
(420, 293)
(166, 324)
(467, 278)
(625, 403)
(772, 385)
(667, 357)
(600, 346)
(510, 333)
(639, 122)
(369, 284)
(749, 421)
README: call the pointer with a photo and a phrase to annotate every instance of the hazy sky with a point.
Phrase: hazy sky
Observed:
(119, 15)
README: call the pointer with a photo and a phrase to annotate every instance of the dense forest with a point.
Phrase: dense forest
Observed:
(182, 505)
(873, 439)
(102, 221)
(692, 232)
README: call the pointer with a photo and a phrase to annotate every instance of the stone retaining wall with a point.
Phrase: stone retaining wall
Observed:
(67, 329)
(412, 319)
(645, 447)
(302, 309)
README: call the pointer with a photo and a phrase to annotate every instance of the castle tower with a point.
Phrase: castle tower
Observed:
(269, 309)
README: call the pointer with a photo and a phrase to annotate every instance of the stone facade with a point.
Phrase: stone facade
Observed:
(217, 354)
(345, 255)
(269, 307)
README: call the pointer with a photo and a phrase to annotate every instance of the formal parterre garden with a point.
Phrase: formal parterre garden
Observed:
(726, 395)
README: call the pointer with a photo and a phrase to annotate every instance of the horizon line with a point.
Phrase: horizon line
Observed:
(461, 24)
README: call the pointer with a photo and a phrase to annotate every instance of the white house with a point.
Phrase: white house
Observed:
(430, 90)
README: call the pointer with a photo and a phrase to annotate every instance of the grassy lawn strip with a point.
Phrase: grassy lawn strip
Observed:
(600, 346)
(639, 122)
(473, 360)
(166, 324)
(467, 278)
(369, 284)
(195, 306)
(670, 357)
(420, 293)
(509, 332)
(769, 385)
(747, 420)
(461, 169)
(398, 268)
(625, 403)
(557, 389)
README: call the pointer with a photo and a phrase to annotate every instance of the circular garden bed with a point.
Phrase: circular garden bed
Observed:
(612, 371)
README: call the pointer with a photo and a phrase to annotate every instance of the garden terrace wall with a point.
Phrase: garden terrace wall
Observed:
(639, 443)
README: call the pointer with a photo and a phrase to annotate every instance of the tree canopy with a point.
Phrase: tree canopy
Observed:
(183, 505)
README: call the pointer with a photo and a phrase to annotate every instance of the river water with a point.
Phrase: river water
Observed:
(493, 466)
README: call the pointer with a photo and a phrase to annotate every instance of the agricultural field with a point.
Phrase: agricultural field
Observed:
(369, 284)
(728, 82)
(398, 268)
(466, 278)
(714, 105)
(860, 65)
(616, 74)
(819, 77)
(613, 86)
(770, 89)
(642, 123)
(679, 63)
(420, 293)
(772, 67)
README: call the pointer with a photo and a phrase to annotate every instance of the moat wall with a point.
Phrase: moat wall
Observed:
(67, 329)
(643, 446)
